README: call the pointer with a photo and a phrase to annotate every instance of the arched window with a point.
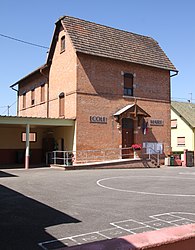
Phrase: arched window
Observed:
(61, 104)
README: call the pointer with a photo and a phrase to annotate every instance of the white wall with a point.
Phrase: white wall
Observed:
(182, 130)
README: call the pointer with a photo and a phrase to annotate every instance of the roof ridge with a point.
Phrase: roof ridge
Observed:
(183, 102)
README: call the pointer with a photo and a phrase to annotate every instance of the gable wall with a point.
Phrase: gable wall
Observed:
(62, 78)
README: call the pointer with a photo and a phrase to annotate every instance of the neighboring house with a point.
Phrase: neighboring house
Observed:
(182, 126)
(113, 84)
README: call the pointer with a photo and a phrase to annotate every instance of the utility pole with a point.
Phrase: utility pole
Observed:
(8, 108)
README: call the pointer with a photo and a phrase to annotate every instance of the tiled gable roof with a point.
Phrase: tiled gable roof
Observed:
(186, 110)
(100, 40)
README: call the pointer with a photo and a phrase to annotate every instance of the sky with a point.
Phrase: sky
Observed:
(170, 22)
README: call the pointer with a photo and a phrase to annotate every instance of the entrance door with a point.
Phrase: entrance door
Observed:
(48, 145)
(190, 158)
(127, 136)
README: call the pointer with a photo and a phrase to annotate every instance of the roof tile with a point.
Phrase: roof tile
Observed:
(186, 110)
(100, 40)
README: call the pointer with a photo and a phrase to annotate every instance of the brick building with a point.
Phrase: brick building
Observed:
(114, 85)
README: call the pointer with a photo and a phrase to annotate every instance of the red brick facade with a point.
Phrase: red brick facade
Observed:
(100, 92)
(93, 86)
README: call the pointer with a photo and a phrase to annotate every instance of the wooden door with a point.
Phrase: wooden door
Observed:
(127, 136)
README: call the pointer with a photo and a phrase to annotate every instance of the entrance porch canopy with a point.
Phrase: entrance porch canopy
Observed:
(133, 109)
(27, 122)
(19, 120)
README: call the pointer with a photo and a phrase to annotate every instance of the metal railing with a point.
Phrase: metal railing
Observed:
(151, 154)
(68, 158)
(87, 156)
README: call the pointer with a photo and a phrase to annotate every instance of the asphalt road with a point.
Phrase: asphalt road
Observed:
(50, 208)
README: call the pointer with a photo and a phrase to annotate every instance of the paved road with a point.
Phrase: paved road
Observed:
(45, 205)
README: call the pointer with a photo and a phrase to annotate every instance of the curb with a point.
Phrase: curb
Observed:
(172, 238)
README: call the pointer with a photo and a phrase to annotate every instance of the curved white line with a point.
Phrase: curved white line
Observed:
(140, 192)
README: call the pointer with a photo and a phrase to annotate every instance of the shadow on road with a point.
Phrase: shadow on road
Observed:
(4, 174)
(23, 221)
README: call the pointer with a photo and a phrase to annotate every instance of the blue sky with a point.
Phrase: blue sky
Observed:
(171, 23)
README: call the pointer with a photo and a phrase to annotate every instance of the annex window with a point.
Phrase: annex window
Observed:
(128, 84)
(61, 104)
(32, 137)
(43, 93)
(62, 43)
(33, 97)
(181, 141)
(24, 101)
(174, 123)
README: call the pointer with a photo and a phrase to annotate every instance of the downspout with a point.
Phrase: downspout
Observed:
(27, 152)
(47, 79)
(17, 109)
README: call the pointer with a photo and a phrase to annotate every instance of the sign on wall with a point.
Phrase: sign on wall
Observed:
(156, 122)
(98, 119)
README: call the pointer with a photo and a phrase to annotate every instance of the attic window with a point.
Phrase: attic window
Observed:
(62, 43)
(174, 123)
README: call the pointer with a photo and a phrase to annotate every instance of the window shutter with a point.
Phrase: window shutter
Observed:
(174, 123)
(61, 104)
(128, 80)
(181, 141)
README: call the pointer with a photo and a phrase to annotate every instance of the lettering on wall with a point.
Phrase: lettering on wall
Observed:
(156, 122)
(98, 119)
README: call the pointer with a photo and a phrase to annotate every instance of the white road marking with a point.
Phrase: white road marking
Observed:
(142, 192)
(114, 225)
(188, 173)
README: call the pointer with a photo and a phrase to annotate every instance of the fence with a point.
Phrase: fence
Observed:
(153, 155)
(68, 158)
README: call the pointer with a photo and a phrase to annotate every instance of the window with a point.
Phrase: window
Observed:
(33, 97)
(180, 141)
(174, 123)
(32, 137)
(128, 84)
(62, 43)
(24, 101)
(61, 104)
(43, 93)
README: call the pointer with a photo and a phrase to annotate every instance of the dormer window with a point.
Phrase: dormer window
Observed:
(62, 43)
